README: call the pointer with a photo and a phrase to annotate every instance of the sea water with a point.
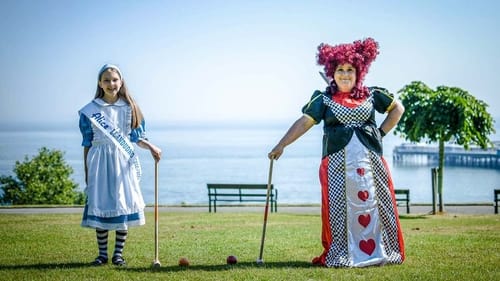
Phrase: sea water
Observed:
(197, 154)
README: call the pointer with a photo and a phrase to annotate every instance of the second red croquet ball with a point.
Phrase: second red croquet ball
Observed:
(183, 261)
(231, 260)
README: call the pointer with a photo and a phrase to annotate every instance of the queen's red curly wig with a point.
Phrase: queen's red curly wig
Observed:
(360, 54)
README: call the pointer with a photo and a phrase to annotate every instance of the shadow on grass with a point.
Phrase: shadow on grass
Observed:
(222, 267)
(413, 217)
(45, 266)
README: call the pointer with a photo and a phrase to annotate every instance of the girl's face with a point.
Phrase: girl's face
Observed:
(345, 77)
(110, 83)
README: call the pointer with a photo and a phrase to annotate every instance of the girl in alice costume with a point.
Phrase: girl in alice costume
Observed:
(360, 224)
(110, 124)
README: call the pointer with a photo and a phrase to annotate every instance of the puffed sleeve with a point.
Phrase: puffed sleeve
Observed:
(86, 130)
(138, 133)
(382, 99)
(315, 108)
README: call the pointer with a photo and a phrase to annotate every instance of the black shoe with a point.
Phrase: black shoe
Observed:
(118, 260)
(100, 260)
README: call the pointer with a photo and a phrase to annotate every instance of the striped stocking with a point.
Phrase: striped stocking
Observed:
(121, 237)
(102, 242)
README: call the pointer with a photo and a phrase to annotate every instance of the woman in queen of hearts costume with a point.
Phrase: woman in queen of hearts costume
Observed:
(360, 224)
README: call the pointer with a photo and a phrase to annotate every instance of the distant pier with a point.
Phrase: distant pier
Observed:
(454, 155)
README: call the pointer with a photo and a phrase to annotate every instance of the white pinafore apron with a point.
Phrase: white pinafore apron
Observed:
(114, 198)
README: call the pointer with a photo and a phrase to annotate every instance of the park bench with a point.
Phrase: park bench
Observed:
(496, 192)
(220, 192)
(403, 196)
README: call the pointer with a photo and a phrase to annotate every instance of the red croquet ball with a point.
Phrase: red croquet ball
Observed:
(183, 261)
(231, 260)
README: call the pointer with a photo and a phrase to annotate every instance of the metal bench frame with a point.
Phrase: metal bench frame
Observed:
(403, 195)
(223, 192)
(496, 192)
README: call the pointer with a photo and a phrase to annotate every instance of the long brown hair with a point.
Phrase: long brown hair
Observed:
(124, 93)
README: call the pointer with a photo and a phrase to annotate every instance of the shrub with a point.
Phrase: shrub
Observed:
(44, 179)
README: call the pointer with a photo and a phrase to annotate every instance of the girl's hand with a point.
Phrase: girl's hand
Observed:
(155, 152)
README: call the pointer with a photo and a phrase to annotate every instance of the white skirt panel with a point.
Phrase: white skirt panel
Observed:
(114, 198)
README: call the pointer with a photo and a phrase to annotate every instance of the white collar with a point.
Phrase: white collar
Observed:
(101, 102)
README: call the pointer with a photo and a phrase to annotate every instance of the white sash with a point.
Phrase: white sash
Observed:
(113, 132)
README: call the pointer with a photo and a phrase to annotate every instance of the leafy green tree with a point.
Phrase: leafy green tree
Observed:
(44, 179)
(447, 114)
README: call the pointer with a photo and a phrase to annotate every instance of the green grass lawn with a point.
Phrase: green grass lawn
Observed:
(54, 247)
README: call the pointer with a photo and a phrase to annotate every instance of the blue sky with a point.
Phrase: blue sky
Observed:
(232, 60)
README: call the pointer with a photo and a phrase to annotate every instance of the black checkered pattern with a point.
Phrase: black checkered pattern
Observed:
(351, 117)
(386, 210)
(337, 254)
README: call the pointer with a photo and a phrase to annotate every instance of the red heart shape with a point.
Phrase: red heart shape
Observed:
(364, 220)
(360, 171)
(363, 195)
(367, 246)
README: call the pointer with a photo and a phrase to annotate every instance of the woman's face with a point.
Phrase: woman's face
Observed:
(345, 77)
(110, 83)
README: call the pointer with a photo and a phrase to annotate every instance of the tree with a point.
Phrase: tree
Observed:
(447, 114)
(45, 179)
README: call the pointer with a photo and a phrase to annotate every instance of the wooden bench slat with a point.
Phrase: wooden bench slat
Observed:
(238, 200)
(237, 186)
(238, 195)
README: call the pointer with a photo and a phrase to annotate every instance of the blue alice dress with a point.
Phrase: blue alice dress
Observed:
(114, 198)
